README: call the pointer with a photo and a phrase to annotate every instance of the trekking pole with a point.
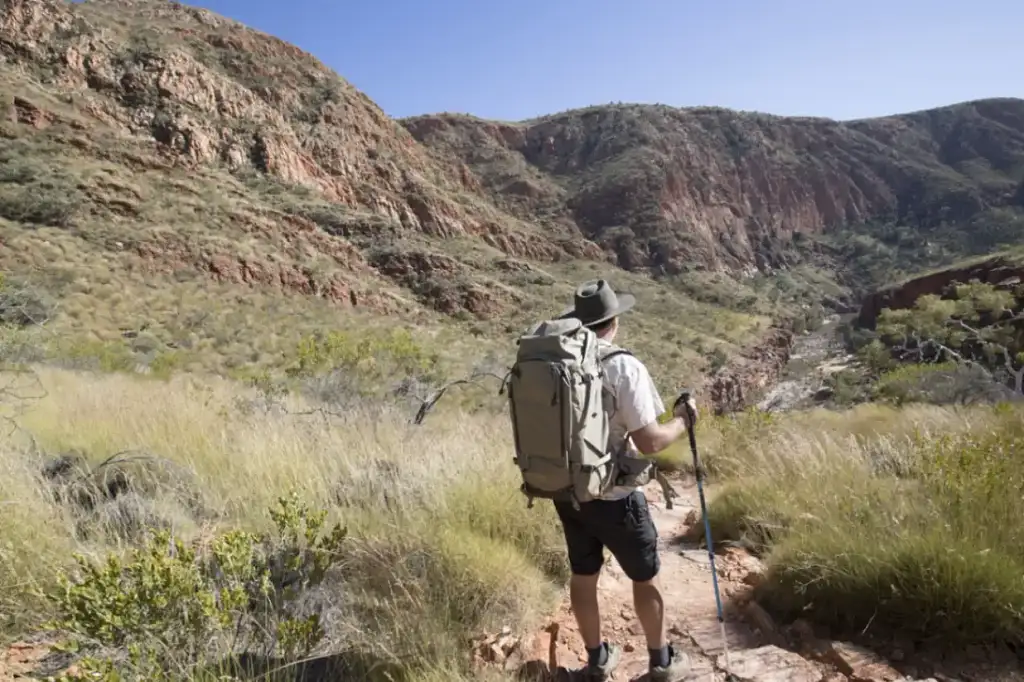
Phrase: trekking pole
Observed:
(699, 472)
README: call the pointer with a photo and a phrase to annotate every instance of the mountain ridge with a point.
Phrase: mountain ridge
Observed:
(770, 191)
(154, 152)
(707, 108)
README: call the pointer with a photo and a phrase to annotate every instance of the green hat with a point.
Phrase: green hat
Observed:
(596, 301)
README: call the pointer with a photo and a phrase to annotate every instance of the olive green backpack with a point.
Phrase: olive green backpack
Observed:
(560, 409)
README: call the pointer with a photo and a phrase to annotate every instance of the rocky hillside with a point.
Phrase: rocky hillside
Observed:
(189, 89)
(667, 188)
(167, 169)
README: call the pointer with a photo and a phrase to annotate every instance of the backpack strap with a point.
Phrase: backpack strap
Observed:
(611, 352)
(666, 487)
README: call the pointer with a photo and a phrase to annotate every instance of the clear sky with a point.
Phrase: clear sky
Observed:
(512, 60)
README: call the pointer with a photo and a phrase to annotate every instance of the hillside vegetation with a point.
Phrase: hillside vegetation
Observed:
(893, 520)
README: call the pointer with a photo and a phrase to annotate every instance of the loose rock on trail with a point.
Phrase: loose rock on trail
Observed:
(756, 647)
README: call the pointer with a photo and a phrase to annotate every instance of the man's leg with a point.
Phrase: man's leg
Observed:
(634, 542)
(586, 557)
(583, 597)
(650, 610)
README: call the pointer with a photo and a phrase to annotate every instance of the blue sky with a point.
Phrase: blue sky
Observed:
(512, 60)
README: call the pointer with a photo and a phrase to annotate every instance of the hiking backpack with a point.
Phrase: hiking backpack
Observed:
(560, 409)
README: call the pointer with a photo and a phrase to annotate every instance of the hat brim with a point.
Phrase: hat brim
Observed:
(625, 303)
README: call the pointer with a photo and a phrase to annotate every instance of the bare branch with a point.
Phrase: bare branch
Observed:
(428, 403)
(320, 411)
(916, 348)
(22, 305)
(18, 387)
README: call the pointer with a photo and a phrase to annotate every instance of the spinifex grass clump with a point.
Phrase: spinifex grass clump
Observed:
(920, 533)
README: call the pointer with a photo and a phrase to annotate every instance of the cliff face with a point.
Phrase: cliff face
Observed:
(668, 188)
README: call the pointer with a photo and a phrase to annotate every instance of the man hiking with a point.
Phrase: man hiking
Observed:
(620, 519)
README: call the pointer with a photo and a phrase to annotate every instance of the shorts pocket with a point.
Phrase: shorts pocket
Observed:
(638, 514)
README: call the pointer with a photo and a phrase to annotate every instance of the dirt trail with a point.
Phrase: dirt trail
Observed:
(690, 612)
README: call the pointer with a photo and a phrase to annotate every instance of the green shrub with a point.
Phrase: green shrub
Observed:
(339, 367)
(970, 323)
(35, 193)
(876, 356)
(93, 354)
(395, 351)
(175, 608)
(939, 383)
(848, 387)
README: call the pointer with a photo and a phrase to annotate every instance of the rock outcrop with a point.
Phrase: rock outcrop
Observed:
(745, 378)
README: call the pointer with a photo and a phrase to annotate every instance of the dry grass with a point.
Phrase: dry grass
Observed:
(882, 518)
(435, 559)
(871, 514)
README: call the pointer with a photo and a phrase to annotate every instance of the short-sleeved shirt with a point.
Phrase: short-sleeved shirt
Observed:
(637, 404)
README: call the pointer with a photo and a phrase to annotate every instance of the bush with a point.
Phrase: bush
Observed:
(877, 357)
(339, 366)
(95, 355)
(942, 383)
(22, 305)
(175, 608)
(35, 193)
(973, 322)
(847, 387)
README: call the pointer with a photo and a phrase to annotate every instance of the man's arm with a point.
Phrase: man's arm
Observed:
(654, 437)
(638, 398)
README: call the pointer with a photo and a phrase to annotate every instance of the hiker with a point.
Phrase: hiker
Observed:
(620, 519)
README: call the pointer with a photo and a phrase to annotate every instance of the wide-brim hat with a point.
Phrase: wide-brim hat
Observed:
(597, 302)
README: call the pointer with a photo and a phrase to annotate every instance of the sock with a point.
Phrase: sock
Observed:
(598, 656)
(660, 658)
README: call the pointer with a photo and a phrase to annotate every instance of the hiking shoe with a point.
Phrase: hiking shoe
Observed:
(598, 673)
(678, 665)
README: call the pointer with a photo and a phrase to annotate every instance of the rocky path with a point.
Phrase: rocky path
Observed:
(756, 652)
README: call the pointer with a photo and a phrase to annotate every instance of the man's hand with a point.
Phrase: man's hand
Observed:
(679, 408)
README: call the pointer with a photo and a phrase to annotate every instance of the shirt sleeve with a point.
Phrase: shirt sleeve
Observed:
(636, 395)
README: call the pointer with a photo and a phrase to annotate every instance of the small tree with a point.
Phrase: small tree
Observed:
(978, 325)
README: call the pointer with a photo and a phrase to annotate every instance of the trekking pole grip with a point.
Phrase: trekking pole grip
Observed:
(691, 419)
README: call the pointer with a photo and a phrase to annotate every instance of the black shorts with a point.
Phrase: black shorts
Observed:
(624, 526)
